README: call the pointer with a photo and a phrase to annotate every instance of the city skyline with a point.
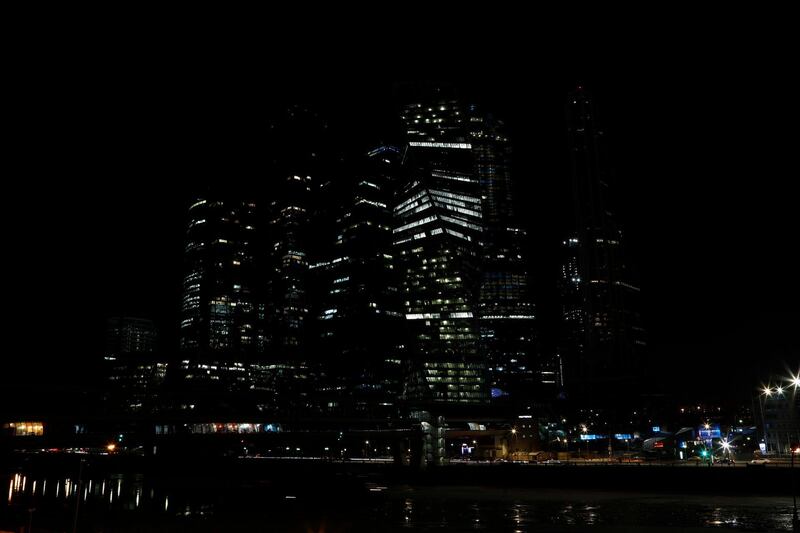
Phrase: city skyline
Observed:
(678, 330)
(534, 271)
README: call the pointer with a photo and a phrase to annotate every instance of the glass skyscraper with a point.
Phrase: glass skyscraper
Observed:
(438, 227)
(219, 312)
(602, 337)
(358, 314)
(506, 309)
(220, 329)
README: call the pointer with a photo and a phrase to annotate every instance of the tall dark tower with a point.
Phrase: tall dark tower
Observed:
(506, 309)
(358, 315)
(300, 148)
(602, 338)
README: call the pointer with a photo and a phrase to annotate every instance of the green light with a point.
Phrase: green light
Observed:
(703, 453)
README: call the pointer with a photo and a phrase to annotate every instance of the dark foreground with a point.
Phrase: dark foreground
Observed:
(117, 494)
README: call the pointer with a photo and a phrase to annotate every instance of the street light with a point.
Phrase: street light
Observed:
(726, 447)
(765, 393)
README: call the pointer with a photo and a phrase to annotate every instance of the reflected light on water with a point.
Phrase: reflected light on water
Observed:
(464, 509)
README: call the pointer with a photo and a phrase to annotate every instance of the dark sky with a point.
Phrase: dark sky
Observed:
(107, 140)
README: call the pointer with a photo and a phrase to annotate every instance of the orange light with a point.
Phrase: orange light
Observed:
(111, 447)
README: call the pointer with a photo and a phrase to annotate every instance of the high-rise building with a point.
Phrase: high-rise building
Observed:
(357, 305)
(221, 326)
(602, 339)
(219, 312)
(506, 309)
(300, 149)
(438, 230)
(126, 334)
(288, 241)
(133, 369)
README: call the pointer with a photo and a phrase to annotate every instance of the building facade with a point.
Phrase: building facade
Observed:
(358, 314)
(506, 309)
(134, 371)
(438, 230)
(602, 339)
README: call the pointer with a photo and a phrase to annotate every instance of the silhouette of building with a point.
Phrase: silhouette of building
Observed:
(602, 339)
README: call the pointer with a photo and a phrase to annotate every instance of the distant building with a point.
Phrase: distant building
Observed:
(780, 418)
(133, 369)
(602, 339)
(126, 334)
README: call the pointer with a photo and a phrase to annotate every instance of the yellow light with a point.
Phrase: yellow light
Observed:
(111, 447)
(513, 431)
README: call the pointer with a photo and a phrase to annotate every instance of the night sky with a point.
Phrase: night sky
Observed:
(106, 144)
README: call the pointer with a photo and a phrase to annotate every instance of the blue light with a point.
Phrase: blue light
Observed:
(656, 429)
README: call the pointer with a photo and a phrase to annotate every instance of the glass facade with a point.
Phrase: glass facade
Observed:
(358, 313)
(438, 227)
(218, 311)
(602, 337)
(506, 310)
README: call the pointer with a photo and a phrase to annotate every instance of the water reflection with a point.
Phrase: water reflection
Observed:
(115, 498)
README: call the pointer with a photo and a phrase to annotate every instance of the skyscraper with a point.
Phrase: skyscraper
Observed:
(300, 159)
(358, 313)
(506, 309)
(438, 227)
(602, 338)
(219, 311)
(220, 327)
(297, 141)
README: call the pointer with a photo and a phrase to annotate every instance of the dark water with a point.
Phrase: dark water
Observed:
(130, 502)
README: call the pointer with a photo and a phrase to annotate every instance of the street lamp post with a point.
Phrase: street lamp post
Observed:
(762, 399)
(795, 521)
